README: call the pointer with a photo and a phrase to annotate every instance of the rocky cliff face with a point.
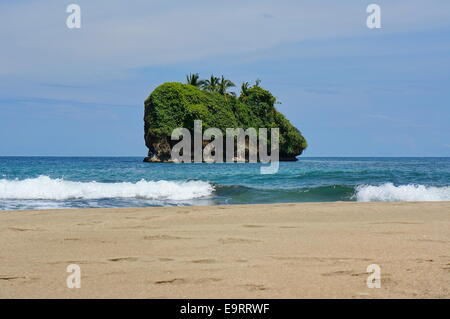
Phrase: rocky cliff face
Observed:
(173, 105)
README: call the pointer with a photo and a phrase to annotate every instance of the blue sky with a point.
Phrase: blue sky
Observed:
(352, 91)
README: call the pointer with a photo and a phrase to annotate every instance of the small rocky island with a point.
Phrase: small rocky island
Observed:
(173, 105)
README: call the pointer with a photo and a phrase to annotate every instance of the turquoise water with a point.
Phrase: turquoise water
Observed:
(70, 182)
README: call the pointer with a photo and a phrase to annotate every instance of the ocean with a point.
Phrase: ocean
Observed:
(91, 182)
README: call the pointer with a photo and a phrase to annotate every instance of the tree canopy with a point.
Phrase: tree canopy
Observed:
(172, 105)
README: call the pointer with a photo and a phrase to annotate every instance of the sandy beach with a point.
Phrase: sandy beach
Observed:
(313, 250)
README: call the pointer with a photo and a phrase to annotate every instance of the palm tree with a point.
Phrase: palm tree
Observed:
(212, 84)
(224, 85)
(193, 79)
(257, 83)
(244, 88)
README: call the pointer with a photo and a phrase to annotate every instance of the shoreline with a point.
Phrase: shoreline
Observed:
(293, 250)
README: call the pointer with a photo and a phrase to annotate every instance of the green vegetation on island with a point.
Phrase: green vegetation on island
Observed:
(172, 105)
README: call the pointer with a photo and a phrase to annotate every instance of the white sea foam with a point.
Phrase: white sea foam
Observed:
(44, 187)
(406, 193)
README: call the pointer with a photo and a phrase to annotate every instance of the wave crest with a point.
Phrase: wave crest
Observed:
(405, 193)
(44, 187)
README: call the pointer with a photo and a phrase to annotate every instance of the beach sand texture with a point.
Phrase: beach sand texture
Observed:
(305, 250)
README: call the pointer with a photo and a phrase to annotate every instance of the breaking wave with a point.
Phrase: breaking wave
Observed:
(406, 193)
(44, 187)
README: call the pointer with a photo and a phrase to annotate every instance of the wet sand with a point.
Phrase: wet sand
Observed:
(313, 250)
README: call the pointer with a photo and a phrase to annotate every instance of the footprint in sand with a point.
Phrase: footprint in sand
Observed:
(203, 261)
(124, 259)
(171, 281)
(385, 278)
(78, 262)
(22, 229)
(339, 273)
(255, 287)
(5, 277)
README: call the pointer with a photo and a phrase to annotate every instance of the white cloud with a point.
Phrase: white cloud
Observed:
(117, 35)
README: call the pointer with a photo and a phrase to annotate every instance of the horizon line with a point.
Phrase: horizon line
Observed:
(143, 156)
